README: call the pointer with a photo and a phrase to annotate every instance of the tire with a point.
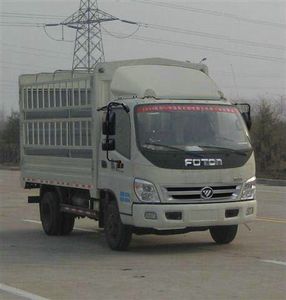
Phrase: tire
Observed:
(67, 224)
(54, 222)
(223, 234)
(118, 235)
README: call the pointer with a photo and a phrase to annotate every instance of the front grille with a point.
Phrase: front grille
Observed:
(193, 194)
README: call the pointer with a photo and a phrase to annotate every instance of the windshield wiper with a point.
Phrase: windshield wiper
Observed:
(172, 148)
(241, 152)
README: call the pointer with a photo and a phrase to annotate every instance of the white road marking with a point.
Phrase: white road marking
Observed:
(277, 262)
(21, 293)
(31, 221)
(272, 220)
(76, 228)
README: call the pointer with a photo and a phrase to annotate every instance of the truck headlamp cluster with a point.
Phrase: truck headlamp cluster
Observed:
(249, 189)
(145, 191)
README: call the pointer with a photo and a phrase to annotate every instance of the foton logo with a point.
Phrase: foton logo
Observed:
(205, 162)
(207, 192)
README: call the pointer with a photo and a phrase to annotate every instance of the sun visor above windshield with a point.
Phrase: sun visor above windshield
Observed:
(163, 82)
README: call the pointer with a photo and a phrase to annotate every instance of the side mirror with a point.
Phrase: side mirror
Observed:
(247, 119)
(108, 145)
(108, 126)
(244, 109)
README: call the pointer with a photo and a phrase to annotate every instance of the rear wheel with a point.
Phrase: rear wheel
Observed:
(67, 224)
(54, 222)
(118, 235)
(223, 234)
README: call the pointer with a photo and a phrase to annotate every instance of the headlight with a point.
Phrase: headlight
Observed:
(249, 189)
(145, 191)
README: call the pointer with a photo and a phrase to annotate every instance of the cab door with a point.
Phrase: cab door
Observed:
(113, 176)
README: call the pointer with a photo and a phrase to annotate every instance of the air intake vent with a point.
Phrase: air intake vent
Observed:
(193, 194)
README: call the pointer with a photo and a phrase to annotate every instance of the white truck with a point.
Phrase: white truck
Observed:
(146, 146)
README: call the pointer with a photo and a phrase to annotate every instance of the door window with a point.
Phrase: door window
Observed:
(122, 135)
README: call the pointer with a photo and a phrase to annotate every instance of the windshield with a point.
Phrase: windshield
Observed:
(191, 128)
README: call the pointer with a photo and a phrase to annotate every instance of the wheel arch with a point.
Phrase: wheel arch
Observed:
(51, 188)
(64, 193)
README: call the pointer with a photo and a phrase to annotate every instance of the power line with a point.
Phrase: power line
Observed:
(121, 36)
(22, 65)
(29, 15)
(19, 25)
(246, 75)
(207, 48)
(33, 48)
(77, 21)
(36, 54)
(214, 36)
(20, 68)
(22, 24)
(186, 45)
(54, 39)
(196, 33)
(25, 17)
(213, 13)
(162, 28)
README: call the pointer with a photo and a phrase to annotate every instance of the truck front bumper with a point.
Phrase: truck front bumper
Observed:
(178, 216)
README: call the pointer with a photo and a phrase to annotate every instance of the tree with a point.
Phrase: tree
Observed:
(10, 139)
(11, 131)
(268, 139)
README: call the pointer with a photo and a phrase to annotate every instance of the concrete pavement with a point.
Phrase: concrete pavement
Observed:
(188, 266)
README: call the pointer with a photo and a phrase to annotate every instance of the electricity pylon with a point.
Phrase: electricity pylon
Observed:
(88, 46)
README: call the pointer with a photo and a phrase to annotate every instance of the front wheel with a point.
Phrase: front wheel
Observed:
(223, 234)
(118, 235)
